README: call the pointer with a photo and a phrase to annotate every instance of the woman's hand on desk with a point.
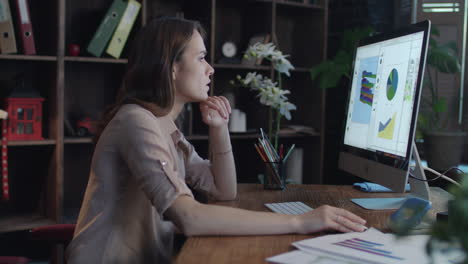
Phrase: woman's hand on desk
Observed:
(328, 217)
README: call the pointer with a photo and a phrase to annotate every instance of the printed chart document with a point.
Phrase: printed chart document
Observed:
(301, 257)
(371, 246)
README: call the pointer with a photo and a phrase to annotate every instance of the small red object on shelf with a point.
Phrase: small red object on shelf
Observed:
(24, 118)
(86, 127)
(24, 107)
(74, 50)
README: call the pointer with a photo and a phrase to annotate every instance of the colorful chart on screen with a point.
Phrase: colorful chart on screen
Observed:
(364, 96)
(392, 84)
(386, 129)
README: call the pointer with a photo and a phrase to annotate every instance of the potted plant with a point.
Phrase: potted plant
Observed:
(433, 122)
(330, 72)
(270, 93)
(451, 234)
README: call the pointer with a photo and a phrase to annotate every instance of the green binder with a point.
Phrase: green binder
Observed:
(107, 27)
(122, 31)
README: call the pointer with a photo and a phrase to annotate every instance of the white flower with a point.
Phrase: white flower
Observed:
(283, 66)
(276, 98)
(269, 93)
(269, 51)
(285, 109)
(252, 77)
(261, 50)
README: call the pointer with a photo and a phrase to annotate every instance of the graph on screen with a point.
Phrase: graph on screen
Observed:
(365, 93)
(367, 84)
(392, 84)
(386, 129)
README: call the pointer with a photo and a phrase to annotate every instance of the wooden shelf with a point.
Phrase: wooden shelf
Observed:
(75, 86)
(32, 142)
(96, 60)
(17, 222)
(297, 4)
(27, 57)
(241, 67)
(78, 140)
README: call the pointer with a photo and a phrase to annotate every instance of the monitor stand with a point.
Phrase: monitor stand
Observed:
(419, 189)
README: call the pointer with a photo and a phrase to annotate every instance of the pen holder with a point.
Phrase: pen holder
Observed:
(274, 176)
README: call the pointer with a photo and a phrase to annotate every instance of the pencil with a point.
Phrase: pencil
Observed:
(271, 148)
(260, 153)
(263, 146)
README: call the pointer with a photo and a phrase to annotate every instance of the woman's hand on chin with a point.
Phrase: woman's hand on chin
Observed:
(215, 111)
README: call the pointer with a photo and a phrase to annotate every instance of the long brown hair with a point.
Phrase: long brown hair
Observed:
(148, 78)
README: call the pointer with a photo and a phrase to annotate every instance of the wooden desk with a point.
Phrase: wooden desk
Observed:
(254, 249)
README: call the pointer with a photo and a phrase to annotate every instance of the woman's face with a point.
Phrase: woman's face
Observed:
(192, 73)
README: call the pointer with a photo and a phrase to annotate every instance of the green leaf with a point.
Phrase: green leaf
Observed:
(452, 45)
(343, 58)
(330, 72)
(435, 31)
(322, 68)
(442, 57)
(433, 42)
(352, 37)
(423, 122)
(440, 105)
(329, 80)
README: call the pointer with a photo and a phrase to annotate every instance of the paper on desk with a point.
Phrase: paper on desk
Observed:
(293, 257)
(371, 246)
(302, 257)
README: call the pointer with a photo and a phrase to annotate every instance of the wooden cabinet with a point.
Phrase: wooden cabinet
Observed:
(48, 177)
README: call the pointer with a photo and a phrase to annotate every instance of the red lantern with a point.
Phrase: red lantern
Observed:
(24, 118)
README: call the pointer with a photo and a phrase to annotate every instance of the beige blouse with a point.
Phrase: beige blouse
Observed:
(141, 164)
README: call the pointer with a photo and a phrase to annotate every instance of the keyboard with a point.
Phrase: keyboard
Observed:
(290, 208)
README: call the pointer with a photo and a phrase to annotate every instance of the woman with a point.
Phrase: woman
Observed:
(137, 193)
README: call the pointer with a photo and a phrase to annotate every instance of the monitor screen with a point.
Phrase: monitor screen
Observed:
(383, 104)
(383, 95)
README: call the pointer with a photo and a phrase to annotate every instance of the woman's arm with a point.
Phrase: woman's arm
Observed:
(194, 218)
(222, 164)
(215, 113)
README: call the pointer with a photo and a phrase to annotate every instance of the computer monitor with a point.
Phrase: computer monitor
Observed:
(378, 141)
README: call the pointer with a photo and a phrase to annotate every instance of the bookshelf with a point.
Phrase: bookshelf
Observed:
(85, 85)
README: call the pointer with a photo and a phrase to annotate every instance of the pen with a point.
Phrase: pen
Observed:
(266, 150)
(271, 148)
(289, 152)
